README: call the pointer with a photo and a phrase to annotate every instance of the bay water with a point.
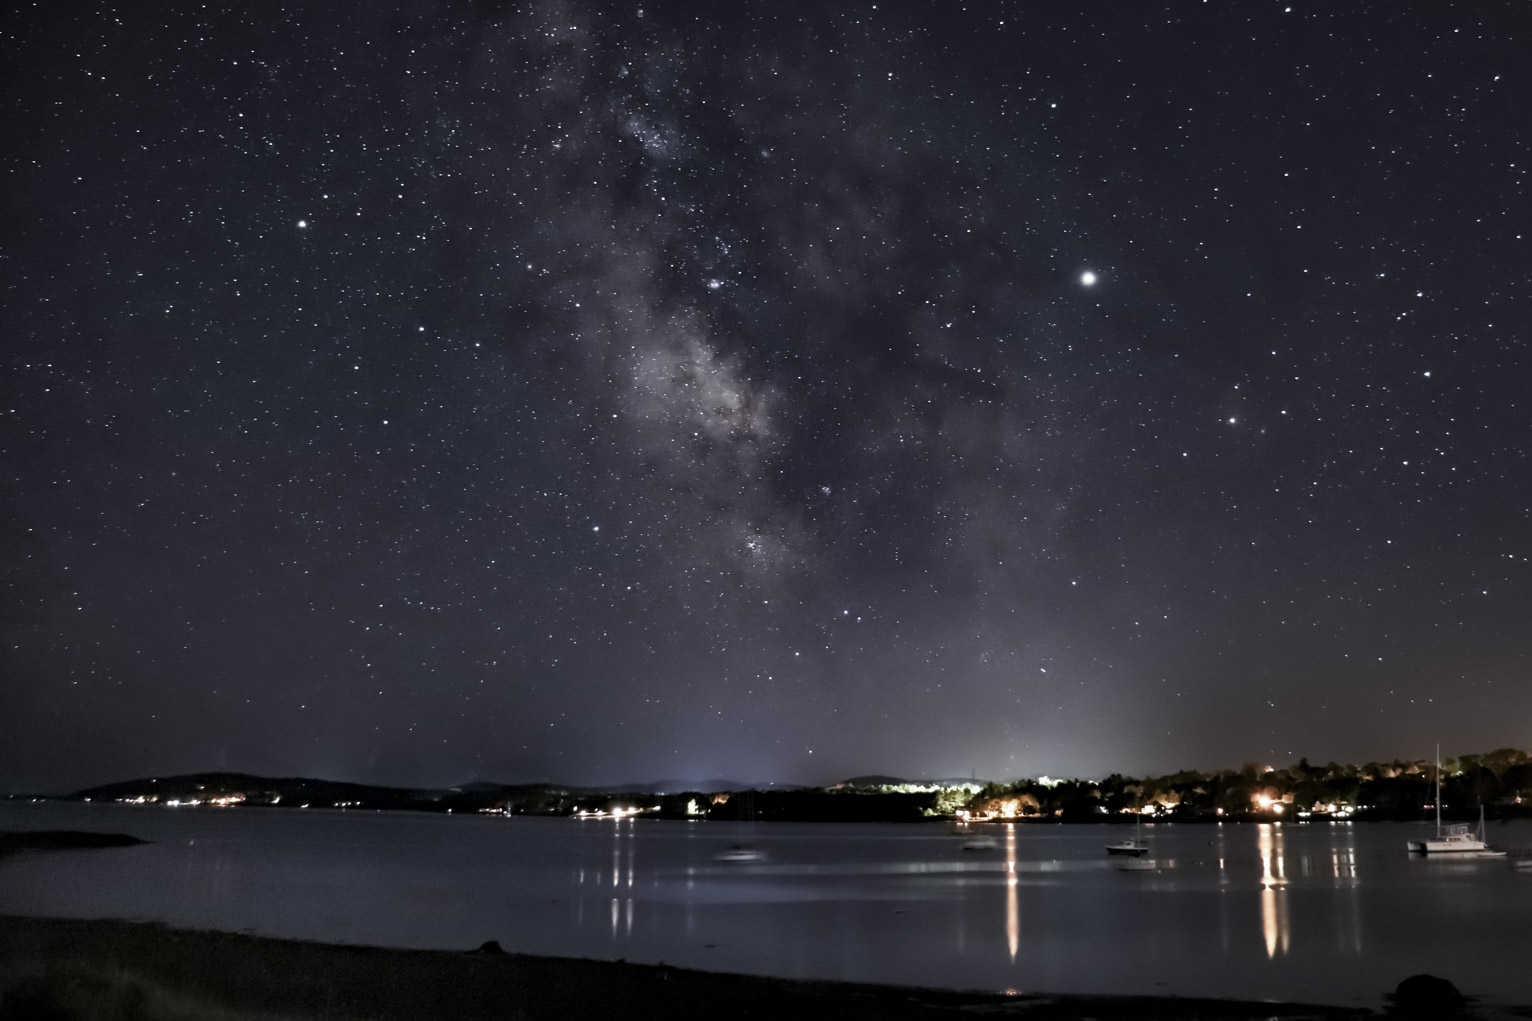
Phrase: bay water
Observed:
(1332, 913)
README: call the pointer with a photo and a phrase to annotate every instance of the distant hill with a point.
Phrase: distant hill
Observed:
(487, 787)
(682, 787)
(873, 780)
(248, 789)
(877, 781)
(657, 787)
(244, 788)
(228, 789)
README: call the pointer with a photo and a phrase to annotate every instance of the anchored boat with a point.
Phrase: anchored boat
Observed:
(1134, 847)
(1456, 839)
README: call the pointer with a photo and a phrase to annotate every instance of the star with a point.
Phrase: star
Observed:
(649, 326)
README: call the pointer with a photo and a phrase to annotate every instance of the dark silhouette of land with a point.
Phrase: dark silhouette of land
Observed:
(1499, 782)
(61, 840)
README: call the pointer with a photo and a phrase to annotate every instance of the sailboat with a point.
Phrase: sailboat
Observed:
(1134, 847)
(980, 842)
(744, 853)
(740, 853)
(1455, 839)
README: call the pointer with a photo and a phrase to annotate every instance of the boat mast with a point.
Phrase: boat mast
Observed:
(1438, 791)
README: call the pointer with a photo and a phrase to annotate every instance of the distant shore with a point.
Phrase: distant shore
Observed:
(182, 973)
(1498, 783)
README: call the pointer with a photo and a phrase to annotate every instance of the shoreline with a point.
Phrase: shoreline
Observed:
(1513, 816)
(265, 976)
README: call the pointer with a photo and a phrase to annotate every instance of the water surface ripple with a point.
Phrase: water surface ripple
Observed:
(1326, 913)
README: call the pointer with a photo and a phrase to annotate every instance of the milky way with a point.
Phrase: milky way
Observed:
(421, 392)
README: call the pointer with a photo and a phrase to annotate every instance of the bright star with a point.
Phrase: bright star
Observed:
(1088, 278)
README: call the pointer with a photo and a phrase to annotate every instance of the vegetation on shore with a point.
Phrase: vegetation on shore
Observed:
(1499, 781)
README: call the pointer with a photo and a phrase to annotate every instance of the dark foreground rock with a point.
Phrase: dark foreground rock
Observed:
(229, 976)
(1426, 997)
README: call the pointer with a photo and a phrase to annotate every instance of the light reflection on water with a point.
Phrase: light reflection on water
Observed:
(1338, 912)
(1012, 893)
(1274, 921)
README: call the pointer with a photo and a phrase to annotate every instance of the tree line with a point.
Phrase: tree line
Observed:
(1500, 782)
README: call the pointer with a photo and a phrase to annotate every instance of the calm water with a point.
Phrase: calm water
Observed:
(1334, 914)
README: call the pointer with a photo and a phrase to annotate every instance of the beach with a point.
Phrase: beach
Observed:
(210, 974)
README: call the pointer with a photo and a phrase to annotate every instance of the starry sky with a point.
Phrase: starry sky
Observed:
(424, 391)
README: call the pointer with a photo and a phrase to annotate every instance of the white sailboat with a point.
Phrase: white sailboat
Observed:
(1134, 847)
(1456, 839)
(740, 853)
(981, 842)
(746, 853)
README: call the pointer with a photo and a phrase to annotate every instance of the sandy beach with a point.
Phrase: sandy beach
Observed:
(108, 968)
(213, 974)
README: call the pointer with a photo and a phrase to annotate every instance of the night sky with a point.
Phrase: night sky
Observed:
(429, 391)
